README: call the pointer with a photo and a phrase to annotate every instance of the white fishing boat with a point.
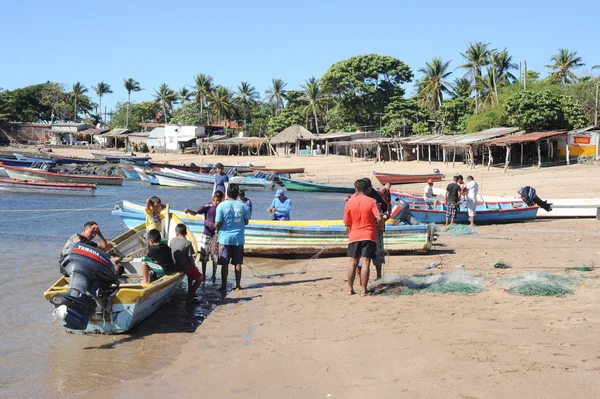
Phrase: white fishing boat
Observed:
(40, 187)
(178, 181)
(140, 171)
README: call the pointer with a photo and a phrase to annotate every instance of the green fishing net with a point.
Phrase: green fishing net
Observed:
(459, 230)
(456, 282)
(501, 265)
(540, 284)
(583, 268)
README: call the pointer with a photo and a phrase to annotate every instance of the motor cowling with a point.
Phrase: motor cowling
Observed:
(91, 276)
(529, 196)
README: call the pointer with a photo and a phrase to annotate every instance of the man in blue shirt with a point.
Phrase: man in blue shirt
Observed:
(231, 220)
(221, 179)
(280, 206)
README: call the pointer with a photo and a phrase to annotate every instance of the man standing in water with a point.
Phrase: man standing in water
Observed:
(361, 217)
(231, 220)
(452, 196)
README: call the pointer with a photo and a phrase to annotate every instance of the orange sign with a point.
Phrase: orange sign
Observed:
(582, 140)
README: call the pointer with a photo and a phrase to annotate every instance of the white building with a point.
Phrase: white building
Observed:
(181, 136)
(156, 139)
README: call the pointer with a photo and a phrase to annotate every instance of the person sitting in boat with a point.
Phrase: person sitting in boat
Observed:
(221, 179)
(89, 232)
(158, 260)
(208, 245)
(428, 195)
(245, 200)
(154, 206)
(280, 206)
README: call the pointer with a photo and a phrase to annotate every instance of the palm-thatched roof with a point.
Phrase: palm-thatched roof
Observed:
(291, 135)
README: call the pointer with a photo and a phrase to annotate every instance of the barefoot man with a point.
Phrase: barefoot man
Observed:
(361, 217)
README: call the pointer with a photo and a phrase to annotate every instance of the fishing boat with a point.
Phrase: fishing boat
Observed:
(141, 173)
(299, 185)
(394, 178)
(245, 182)
(255, 183)
(277, 170)
(296, 238)
(172, 180)
(129, 171)
(27, 163)
(189, 168)
(40, 187)
(131, 302)
(116, 158)
(238, 168)
(486, 213)
(35, 174)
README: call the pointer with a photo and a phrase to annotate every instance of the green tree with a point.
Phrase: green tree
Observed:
(203, 84)
(77, 94)
(165, 97)
(133, 114)
(461, 87)
(101, 89)
(130, 85)
(400, 116)
(532, 76)
(433, 83)
(503, 65)
(276, 94)
(6, 106)
(563, 64)
(363, 86)
(287, 117)
(487, 88)
(477, 56)
(184, 95)
(245, 96)
(54, 97)
(544, 110)
(221, 102)
(187, 114)
(314, 96)
(453, 115)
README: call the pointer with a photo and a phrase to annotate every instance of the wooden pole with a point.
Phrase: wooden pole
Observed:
(418, 153)
(399, 152)
(471, 157)
(454, 158)
(521, 154)
(483, 158)
(539, 150)
(507, 157)
(444, 155)
(429, 152)
(491, 160)
(390, 152)
(568, 151)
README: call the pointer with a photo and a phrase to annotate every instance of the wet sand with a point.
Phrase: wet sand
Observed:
(298, 335)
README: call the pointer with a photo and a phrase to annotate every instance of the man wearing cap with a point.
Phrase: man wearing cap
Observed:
(280, 206)
(429, 196)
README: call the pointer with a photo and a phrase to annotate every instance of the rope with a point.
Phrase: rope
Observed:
(45, 214)
(65, 209)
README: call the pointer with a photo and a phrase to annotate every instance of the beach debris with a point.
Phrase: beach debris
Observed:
(540, 284)
(454, 282)
(459, 230)
(432, 265)
(459, 266)
(501, 265)
(582, 268)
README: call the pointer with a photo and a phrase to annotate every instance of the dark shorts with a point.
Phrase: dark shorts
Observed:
(233, 254)
(193, 273)
(362, 249)
(451, 211)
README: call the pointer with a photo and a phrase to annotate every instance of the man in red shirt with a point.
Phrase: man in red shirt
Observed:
(361, 217)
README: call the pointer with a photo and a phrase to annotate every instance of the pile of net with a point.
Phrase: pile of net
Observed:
(455, 282)
(540, 284)
(459, 230)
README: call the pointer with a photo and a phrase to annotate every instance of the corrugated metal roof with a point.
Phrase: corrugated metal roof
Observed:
(465, 140)
(115, 133)
(524, 138)
(343, 135)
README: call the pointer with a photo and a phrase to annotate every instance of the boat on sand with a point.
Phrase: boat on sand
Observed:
(394, 178)
(35, 174)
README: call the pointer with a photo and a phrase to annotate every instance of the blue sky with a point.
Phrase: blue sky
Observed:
(233, 41)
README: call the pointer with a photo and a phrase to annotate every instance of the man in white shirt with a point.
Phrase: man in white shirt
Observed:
(429, 196)
(472, 189)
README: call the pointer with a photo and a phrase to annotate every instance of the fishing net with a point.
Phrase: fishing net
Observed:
(582, 268)
(455, 282)
(459, 230)
(541, 284)
(501, 265)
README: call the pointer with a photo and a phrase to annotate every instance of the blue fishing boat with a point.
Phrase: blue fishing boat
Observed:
(115, 158)
(298, 237)
(61, 160)
(300, 185)
(486, 213)
(27, 163)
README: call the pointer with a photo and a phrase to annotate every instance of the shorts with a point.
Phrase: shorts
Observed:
(208, 249)
(429, 202)
(231, 254)
(379, 258)
(471, 207)
(451, 211)
(193, 273)
(362, 249)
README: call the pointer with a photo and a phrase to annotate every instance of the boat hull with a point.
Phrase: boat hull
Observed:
(181, 182)
(33, 174)
(298, 185)
(393, 178)
(130, 173)
(488, 213)
(26, 163)
(278, 170)
(23, 186)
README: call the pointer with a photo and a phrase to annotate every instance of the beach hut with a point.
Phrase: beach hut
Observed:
(113, 138)
(294, 135)
(584, 142)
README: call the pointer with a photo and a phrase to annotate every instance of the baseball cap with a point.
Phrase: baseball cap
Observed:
(279, 193)
(430, 181)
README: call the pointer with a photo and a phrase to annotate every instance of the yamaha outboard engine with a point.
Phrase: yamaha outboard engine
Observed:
(91, 276)
(401, 212)
(528, 195)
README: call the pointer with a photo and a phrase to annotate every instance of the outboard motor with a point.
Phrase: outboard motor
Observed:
(528, 195)
(91, 276)
(401, 212)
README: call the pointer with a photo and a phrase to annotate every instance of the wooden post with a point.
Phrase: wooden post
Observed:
(417, 153)
(429, 152)
(297, 147)
(483, 158)
(568, 152)
(471, 157)
(390, 152)
(454, 158)
(521, 154)
(507, 162)
(539, 148)
(491, 157)
(326, 147)
(444, 155)
(228, 149)
(378, 153)
(549, 150)
(400, 151)
(437, 152)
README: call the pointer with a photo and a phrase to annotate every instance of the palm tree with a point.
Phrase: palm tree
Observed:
(276, 94)
(564, 62)
(184, 95)
(165, 97)
(434, 83)
(461, 87)
(245, 96)
(503, 67)
(101, 89)
(477, 56)
(315, 97)
(203, 84)
(79, 91)
(486, 84)
(130, 85)
(221, 102)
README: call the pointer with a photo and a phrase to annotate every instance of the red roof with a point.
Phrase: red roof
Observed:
(525, 138)
(227, 124)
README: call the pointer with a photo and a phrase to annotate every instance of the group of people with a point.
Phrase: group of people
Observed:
(456, 193)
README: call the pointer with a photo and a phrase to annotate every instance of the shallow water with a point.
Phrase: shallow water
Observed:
(38, 358)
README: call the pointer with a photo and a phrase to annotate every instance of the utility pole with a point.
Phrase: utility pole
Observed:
(380, 115)
(525, 75)
(596, 119)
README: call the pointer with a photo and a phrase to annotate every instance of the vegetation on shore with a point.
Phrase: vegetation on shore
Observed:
(363, 92)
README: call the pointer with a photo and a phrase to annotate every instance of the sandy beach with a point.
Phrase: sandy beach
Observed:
(296, 333)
